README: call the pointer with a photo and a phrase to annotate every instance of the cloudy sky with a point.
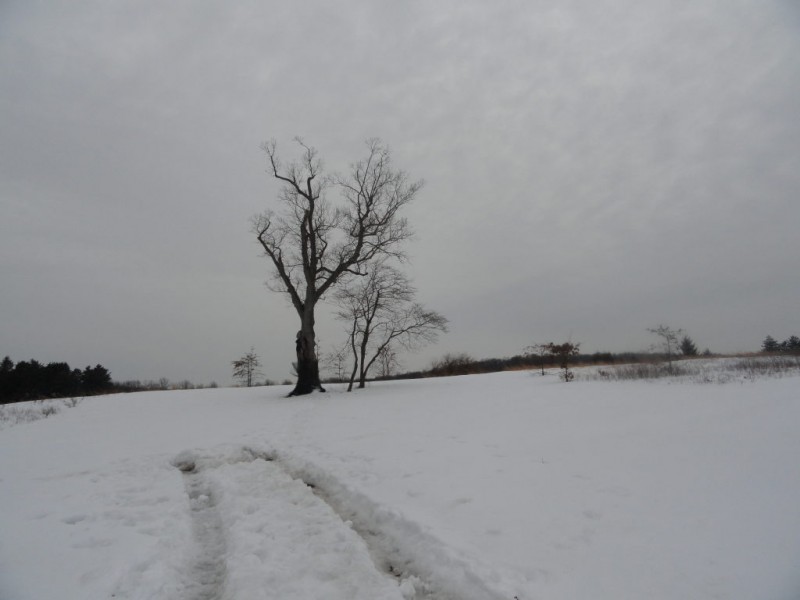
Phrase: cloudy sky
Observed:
(593, 168)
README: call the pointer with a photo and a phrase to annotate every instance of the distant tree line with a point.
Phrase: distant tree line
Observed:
(464, 364)
(135, 385)
(32, 380)
(790, 345)
(563, 355)
(672, 345)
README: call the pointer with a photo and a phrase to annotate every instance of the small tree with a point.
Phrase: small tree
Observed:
(247, 368)
(541, 351)
(336, 362)
(770, 344)
(381, 314)
(669, 343)
(387, 362)
(563, 353)
(687, 346)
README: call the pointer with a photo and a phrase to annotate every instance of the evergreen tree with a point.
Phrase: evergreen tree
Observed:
(96, 379)
(770, 344)
(687, 346)
(6, 374)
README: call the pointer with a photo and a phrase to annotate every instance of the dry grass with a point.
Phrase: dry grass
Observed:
(28, 412)
(720, 370)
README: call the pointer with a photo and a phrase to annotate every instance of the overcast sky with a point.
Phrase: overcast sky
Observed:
(593, 168)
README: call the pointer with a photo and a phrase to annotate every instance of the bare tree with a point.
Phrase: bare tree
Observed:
(314, 244)
(381, 313)
(387, 362)
(247, 367)
(670, 341)
(336, 362)
(540, 350)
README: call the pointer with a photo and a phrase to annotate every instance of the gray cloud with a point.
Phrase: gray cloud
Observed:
(592, 169)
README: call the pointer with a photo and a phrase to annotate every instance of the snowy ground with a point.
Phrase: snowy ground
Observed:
(491, 487)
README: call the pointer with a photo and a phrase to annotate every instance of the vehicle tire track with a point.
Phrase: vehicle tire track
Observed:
(207, 572)
(420, 566)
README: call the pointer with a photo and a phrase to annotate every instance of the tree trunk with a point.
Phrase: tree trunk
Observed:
(355, 357)
(307, 376)
(353, 376)
(307, 362)
(362, 376)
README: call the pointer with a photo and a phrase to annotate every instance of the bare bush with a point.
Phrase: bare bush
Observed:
(753, 368)
(637, 371)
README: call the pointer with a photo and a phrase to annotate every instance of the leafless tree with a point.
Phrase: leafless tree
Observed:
(336, 362)
(247, 367)
(381, 313)
(315, 244)
(670, 341)
(542, 351)
(388, 361)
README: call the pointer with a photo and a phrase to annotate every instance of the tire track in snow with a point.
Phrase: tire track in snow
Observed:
(260, 533)
(420, 566)
(206, 577)
(424, 568)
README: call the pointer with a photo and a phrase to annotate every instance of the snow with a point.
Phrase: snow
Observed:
(477, 487)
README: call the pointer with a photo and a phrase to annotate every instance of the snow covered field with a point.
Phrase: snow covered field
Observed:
(499, 486)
